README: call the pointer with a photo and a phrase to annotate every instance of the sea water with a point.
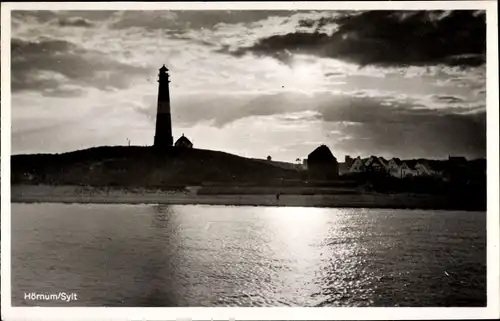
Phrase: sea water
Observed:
(197, 255)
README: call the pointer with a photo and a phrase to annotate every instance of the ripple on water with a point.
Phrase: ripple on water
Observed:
(144, 255)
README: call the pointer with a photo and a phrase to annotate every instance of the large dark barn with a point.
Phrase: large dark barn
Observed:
(322, 165)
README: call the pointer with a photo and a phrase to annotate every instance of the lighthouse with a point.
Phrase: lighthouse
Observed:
(163, 133)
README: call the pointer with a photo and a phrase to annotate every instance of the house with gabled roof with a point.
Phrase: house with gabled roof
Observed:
(399, 168)
(394, 167)
(424, 167)
(384, 161)
(408, 168)
(375, 164)
(346, 165)
(358, 165)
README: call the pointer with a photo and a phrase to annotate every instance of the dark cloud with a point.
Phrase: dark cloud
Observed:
(448, 99)
(423, 134)
(191, 19)
(334, 74)
(44, 16)
(224, 109)
(63, 92)
(391, 38)
(406, 129)
(90, 15)
(332, 18)
(307, 23)
(75, 22)
(180, 34)
(47, 64)
(402, 128)
(41, 16)
(149, 20)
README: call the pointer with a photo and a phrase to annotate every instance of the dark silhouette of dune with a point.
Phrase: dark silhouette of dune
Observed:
(143, 166)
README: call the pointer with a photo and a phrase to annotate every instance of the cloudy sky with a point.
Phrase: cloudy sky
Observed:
(253, 83)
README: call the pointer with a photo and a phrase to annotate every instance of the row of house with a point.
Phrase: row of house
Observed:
(322, 164)
(400, 168)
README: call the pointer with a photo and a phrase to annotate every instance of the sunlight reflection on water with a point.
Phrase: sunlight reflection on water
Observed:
(159, 255)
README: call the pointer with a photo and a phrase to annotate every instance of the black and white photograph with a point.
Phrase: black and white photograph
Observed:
(236, 158)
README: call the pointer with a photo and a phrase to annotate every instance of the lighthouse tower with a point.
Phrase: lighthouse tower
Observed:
(163, 134)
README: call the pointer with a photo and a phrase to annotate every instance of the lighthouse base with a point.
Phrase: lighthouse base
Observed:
(163, 136)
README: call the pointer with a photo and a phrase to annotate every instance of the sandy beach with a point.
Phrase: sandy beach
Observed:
(77, 194)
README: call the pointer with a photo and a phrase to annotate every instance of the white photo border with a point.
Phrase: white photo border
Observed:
(493, 282)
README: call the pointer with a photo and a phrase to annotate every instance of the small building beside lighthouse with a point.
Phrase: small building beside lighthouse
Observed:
(163, 132)
(183, 142)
